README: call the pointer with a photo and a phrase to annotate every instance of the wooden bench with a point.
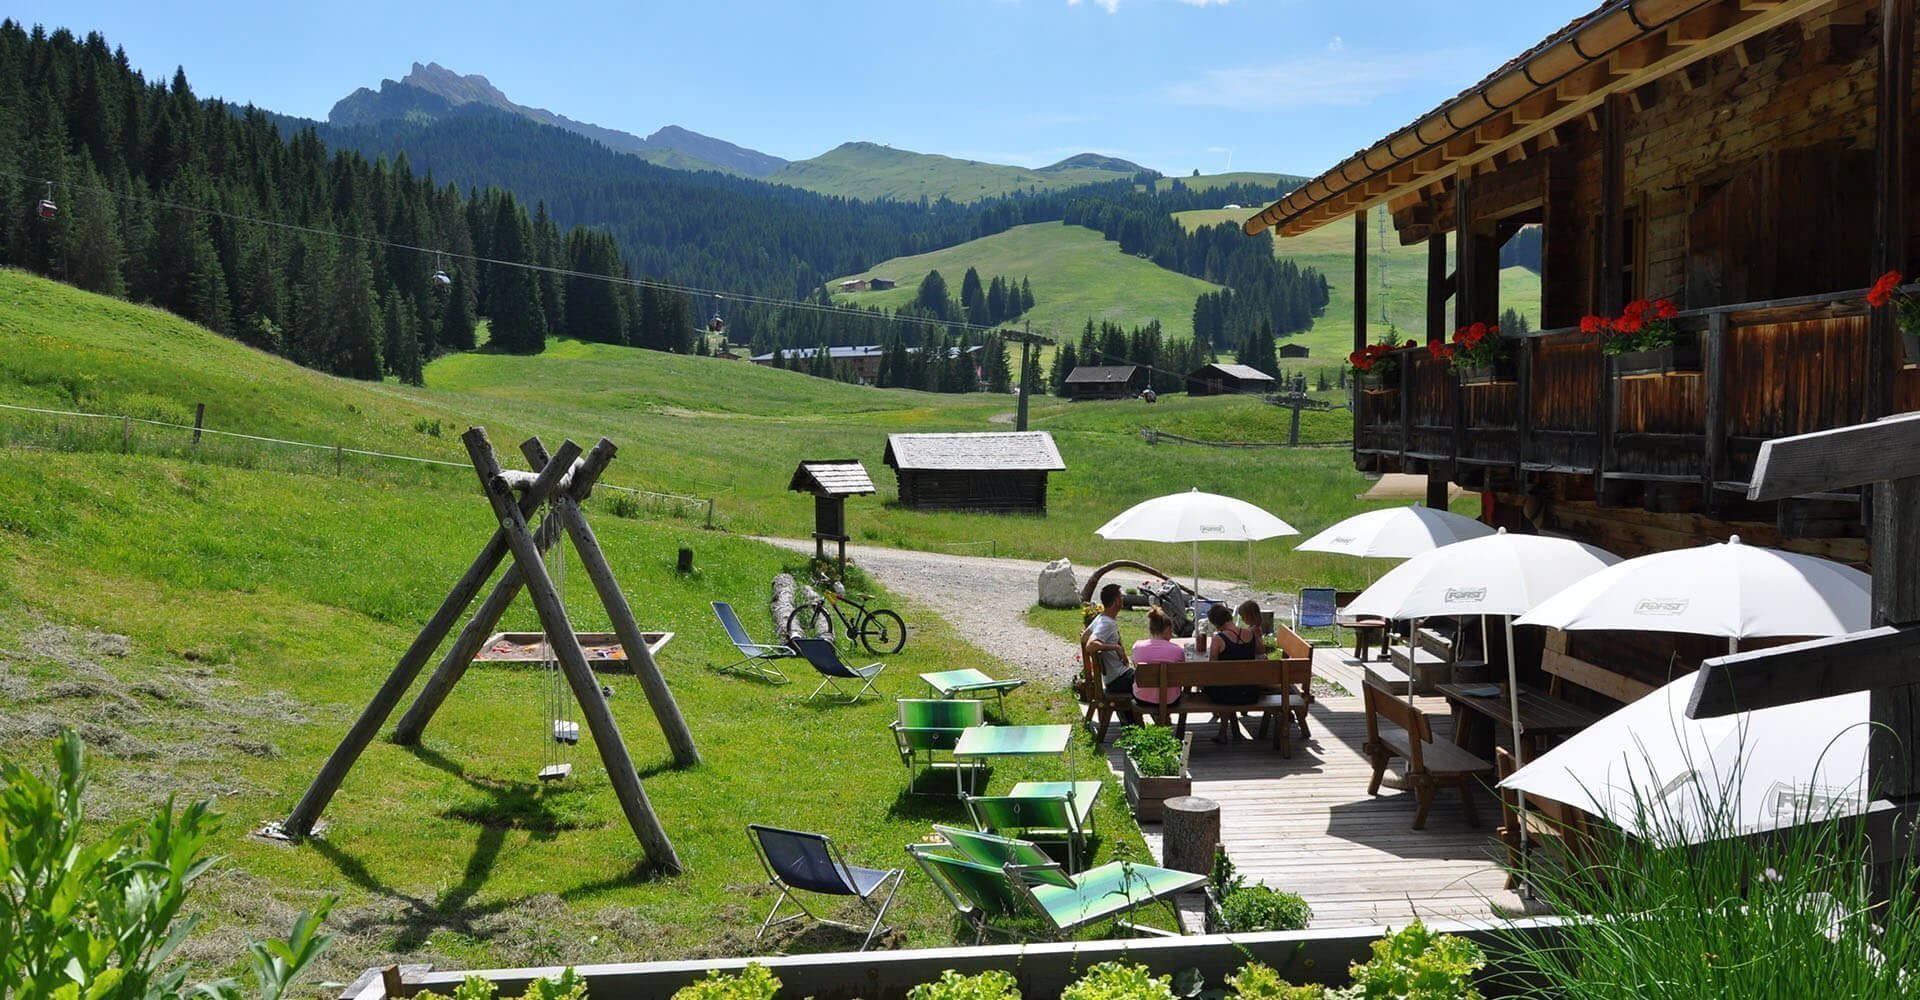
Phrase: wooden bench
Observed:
(1566, 669)
(1101, 704)
(1288, 681)
(1568, 829)
(1395, 729)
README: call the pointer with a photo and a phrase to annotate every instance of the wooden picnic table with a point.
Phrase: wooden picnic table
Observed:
(1542, 716)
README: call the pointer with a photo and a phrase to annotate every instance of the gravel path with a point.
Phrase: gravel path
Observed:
(986, 599)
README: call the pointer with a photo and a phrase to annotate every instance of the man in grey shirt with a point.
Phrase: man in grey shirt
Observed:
(1102, 638)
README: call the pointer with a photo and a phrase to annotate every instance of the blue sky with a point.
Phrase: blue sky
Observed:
(1281, 85)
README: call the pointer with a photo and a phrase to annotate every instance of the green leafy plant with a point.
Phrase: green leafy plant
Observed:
(1258, 981)
(566, 986)
(1258, 908)
(1418, 964)
(102, 919)
(1225, 877)
(1119, 981)
(1154, 749)
(755, 982)
(993, 984)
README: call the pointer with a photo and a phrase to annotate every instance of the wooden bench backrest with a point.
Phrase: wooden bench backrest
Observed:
(1384, 704)
(1563, 667)
(1289, 644)
(1263, 672)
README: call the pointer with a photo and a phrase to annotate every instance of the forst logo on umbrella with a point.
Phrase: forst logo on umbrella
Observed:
(1662, 606)
(1213, 529)
(1464, 595)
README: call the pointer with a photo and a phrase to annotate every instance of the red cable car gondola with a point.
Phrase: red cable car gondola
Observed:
(48, 210)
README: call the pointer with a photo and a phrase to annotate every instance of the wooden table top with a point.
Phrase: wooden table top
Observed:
(1541, 714)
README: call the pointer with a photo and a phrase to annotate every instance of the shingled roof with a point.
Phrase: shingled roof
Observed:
(1024, 451)
(836, 477)
(1102, 374)
(1243, 372)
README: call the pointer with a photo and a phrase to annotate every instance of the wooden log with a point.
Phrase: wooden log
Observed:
(307, 811)
(459, 657)
(573, 660)
(639, 657)
(1192, 833)
(782, 605)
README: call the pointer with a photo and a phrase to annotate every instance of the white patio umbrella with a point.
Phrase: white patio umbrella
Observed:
(1395, 533)
(1658, 774)
(1499, 574)
(1195, 517)
(1724, 589)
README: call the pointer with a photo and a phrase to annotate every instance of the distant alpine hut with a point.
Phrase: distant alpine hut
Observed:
(1293, 352)
(831, 481)
(1105, 382)
(1228, 380)
(881, 284)
(999, 472)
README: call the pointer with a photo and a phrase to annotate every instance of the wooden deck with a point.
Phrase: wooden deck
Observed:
(1307, 825)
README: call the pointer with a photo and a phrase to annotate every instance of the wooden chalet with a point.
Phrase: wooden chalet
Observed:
(1106, 382)
(1002, 472)
(1294, 352)
(1225, 379)
(1751, 160)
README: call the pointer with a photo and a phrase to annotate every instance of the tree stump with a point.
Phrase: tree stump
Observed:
(1192, 833)
(685, 564)
(782, 605)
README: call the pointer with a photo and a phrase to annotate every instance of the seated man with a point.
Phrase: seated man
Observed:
(1102, 639)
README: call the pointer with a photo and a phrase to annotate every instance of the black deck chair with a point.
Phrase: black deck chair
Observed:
(808, 862)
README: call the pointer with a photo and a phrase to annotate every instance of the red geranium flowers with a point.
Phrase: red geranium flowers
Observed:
(1374, 358)
(1644, 325)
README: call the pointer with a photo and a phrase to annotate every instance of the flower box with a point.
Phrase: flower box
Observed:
(1380, 381)
(1910, 342)
(1502, 372)
(1148, 795)
(1682, 357)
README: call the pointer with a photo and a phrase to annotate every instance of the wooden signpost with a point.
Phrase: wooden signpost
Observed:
(1884, 660)
(564, 482)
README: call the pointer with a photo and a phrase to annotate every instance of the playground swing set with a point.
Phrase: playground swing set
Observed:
(573, 694)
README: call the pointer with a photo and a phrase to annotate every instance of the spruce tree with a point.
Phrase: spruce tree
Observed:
(515, 318)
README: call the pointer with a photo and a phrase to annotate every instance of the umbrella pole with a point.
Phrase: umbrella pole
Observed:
(1513, 701)
(1413, 635)
(1196, 569)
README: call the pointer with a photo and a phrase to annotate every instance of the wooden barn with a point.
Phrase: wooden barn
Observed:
(1227, 380)
(1754, 163)
(1001, 472)
(1106, 382)
(1294, 352)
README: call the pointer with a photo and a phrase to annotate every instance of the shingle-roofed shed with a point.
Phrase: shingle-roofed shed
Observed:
(1105, 381)
(1221, 379)
(1002, 472)
(831, 481)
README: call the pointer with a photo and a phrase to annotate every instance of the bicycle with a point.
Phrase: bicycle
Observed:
(879, 629)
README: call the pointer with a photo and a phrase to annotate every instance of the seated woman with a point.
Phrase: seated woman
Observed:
(1232, 641)
(1158, 647)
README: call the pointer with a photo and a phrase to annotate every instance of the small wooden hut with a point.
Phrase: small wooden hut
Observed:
(1294, 352)
(831, 481)
(1228, 380)
(1000, 472)
(1106, 382)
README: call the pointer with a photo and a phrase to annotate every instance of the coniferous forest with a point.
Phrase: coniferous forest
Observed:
(333, 248)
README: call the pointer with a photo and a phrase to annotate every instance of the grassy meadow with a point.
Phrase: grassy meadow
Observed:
(214, 618)
(1076, 274)
(873, 172)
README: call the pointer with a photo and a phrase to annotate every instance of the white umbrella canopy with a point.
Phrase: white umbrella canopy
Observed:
(1498, 574)
(1659, 775)
(1724, 589)
(1395, 533)
(1195, 517)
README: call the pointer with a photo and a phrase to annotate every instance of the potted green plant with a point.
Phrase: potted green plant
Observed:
(1374, 368)
(1645, 342)
(1154, 769)
(1906, 313)
(1478, 354)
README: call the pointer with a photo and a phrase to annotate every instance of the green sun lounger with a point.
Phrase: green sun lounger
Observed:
(926, 730)
(1041, 810)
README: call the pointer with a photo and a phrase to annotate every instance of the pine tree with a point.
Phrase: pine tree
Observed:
(1064, 361)
(974, 298)
(932, 296)
(515, 318)
(1026, 298)
(456, 317)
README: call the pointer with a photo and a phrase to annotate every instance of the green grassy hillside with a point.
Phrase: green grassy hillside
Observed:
(1076, 274)
(1207, 182)
(1330, 248)
(870, 171)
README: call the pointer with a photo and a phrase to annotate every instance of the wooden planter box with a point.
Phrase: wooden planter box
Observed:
(1910, 343)
(1375, 382)
(1148, 796)
(1682, 357)
(1499, 373)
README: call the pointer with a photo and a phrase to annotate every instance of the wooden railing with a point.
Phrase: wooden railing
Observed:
(1769, 369)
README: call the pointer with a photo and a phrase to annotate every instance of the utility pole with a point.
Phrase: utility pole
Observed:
(1026, 339)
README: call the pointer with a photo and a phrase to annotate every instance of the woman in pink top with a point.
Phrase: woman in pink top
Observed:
(1158, 647)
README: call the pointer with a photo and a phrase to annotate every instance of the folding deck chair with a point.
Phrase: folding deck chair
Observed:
(757, 658)
(927, 727)
(987, 877)
(809, 862)
(826, 660)
(1050, 810)
(970, 683)
(1317, 609)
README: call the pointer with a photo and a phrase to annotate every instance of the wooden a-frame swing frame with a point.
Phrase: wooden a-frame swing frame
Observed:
(566, 480)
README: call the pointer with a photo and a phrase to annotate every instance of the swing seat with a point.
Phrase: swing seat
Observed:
(555, 772)
(566, 732)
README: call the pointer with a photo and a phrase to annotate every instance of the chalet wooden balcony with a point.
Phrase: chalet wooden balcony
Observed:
(1768, 370)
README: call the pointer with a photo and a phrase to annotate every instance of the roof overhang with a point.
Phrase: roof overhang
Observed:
(1622, 46)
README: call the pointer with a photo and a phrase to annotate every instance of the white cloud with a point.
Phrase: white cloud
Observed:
(1336, 44)
(1332, 78)
(1111, 6)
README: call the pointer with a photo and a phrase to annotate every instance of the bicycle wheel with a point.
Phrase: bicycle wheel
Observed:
(809, 620)
(883, 633)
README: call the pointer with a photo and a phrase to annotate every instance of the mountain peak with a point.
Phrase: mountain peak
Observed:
(457, 89)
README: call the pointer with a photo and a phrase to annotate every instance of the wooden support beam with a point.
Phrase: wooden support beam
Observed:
(1837, 459)
(1894, 161)
(453, 666)
(299, 822)
(1715, 458)
(573, 660)
(1803, 671)
(1359, 306)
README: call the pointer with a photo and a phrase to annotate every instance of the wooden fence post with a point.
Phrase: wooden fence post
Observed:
(199, 420)
(339, 461)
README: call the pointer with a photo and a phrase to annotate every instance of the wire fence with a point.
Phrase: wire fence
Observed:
(1152, 436)
(95, 433)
